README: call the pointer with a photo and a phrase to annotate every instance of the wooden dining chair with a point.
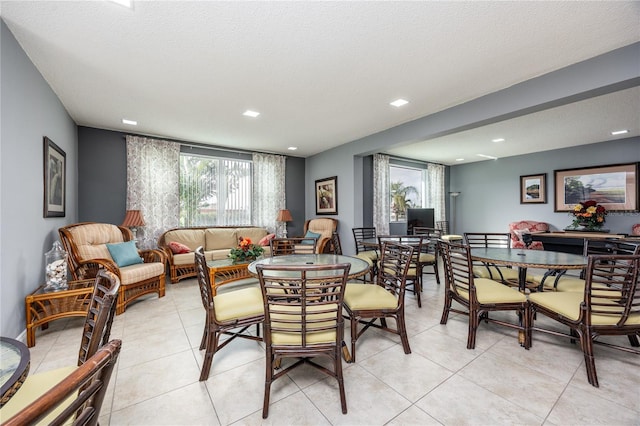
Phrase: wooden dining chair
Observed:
(479, 296)
(303, 322)
(504, 274)
(429, 253)
(365, 251)
(414, 273)
(366, 303)
(293, 245)
(609, 305)
(95, 334)
(76, 398)
(230, 313)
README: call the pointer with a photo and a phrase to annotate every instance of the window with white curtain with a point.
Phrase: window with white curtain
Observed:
(407, 189)
(214, 191)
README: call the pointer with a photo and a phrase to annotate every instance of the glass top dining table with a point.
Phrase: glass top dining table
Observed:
(14, 366)
(523, 259)
(358, 266)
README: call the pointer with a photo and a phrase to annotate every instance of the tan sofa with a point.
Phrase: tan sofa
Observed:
(217, 242)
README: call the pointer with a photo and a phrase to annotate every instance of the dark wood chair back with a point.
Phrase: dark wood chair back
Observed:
(336, 246)
(360, 234)
(487, 239)
(293, 245)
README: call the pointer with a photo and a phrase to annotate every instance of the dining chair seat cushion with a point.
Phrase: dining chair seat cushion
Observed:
(367, 259)
(368, 296)
(489, 291)
(568, 304)
(427, 258)
(491, 272)
(569, 283)
(242, 303)
(368, 254)
(452, 237)
(139, 272)
(292, 320)
(33, 388)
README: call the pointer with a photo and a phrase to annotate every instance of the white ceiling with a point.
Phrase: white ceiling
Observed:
(323, 73)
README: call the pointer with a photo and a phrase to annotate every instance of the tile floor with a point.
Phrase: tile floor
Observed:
(440, 382)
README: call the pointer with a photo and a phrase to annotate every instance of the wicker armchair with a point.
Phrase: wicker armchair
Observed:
(325, 227)
(86, 244)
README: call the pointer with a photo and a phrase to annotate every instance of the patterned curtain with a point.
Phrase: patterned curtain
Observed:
(153, 179)
(268, 189)
(381, 207)
(435, 196)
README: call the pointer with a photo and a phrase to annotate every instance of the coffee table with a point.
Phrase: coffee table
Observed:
(43, 306)
(226, 271)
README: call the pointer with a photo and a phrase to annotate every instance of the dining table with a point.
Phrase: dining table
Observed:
(523, 259)
(358, 266)
(15, 360)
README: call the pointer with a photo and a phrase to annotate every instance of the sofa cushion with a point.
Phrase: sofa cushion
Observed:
(91, 239)
(184, 259)
(139, 272)
(220, 238)
(254, 234)
(192, 238)
(179, 248)
(124, 254)
(265, 241)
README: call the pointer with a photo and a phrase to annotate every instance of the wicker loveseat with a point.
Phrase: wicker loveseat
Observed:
(86, 244)
(217, 242)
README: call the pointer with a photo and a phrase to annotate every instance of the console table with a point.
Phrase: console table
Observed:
(570, 241)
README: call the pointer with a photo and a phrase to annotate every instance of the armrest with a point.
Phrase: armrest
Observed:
(88, 269)
(150, 256)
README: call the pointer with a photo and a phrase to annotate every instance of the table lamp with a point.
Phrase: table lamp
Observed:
(133, 220)
(284, 216)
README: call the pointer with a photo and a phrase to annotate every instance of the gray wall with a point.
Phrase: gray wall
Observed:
(102, 191)
(30, 111)
(490, 190)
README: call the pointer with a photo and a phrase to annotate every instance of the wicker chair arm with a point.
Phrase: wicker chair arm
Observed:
(89, 268)
(151, 256)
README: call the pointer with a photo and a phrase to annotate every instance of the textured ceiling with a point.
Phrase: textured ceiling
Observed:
(321, 73)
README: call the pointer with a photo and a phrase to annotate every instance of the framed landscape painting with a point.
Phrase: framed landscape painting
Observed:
(533, 189)
(55, 175)
(615, 187)
(327, 195)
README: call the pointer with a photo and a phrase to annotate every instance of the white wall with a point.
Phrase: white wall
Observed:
(30, 110)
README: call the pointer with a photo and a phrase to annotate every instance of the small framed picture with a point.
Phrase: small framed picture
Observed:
(55, 179)
(327, 195)
(533, 189)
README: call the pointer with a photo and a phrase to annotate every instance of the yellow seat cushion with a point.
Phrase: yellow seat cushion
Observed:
(294, 338)
(368, 296)
(369, 254)
(427, 258)
(568, 304)
(34, 387)
(491, 272)
(489, 291)
(246, 302)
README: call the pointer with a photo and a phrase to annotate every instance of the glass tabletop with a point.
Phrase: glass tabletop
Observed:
(529, 258)
(14, 364)
(358, 266)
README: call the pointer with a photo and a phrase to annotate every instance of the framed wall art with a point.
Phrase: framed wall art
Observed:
(615, 187)
(327, 195)
(533, 189)
(55, 178)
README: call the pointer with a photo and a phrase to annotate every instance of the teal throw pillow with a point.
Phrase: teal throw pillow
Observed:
(310, 234)
(124, 254)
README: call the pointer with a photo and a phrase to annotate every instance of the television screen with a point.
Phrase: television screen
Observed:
(419, 217)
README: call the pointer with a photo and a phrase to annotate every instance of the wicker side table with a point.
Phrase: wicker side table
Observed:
(224, 271)
(45, 306)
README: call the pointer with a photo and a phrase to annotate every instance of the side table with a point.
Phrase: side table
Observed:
(225, 271)
(45, 306)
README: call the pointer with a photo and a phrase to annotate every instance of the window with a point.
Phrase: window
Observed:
(407, 189)
(214, 191)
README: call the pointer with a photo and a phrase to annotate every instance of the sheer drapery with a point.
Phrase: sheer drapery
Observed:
(435, 195)
(381, 207)
(268, 189)
(153, 173)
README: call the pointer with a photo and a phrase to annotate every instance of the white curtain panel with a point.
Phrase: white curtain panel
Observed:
(435, 196)
(381, 196)
(153, 179)
(268, 189)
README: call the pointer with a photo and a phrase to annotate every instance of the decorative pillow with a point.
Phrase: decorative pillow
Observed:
(265, 240)
(311, 234)
(178, 248)
(124, 254)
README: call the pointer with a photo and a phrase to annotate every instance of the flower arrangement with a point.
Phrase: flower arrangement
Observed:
(589, 215)
(245, 251)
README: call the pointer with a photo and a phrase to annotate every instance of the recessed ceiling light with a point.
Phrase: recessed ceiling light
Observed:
(125, 3)
(131, 122)
(487, 156)
(497, 140)
(619, 132)
(459, 159)
(399, 102)
(292, 148)
(250, 113)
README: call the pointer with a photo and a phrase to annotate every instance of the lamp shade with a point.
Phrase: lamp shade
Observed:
(133, 218)
(284, 216)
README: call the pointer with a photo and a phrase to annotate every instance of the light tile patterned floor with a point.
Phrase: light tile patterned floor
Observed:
(440, 382)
